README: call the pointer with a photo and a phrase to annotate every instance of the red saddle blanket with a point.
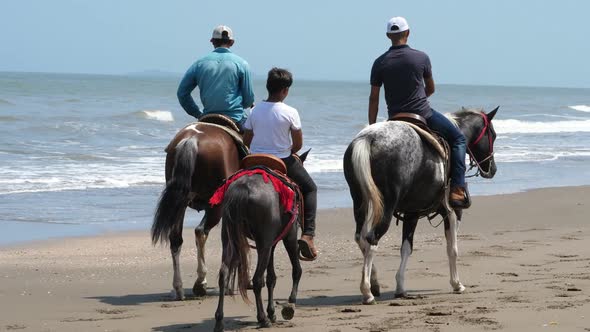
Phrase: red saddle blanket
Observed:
(287, 195)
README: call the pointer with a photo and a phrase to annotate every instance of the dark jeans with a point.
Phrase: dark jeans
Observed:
(297, 173)
(442, 125)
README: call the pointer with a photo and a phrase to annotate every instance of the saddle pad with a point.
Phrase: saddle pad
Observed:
(263, 159)
(287, 190)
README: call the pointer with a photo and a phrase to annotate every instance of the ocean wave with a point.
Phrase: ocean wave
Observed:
(164, 116)
(581, 108)
(536, 156)
(19, 186)
(525, 127)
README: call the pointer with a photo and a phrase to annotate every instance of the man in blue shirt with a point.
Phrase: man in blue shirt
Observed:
(223, 79)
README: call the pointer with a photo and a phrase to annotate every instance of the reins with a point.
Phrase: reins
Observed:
(473, 162)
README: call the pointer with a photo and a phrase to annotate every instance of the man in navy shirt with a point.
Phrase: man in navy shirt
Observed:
(406, 75)
(223, 79)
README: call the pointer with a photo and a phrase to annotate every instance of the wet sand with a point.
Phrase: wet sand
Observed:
(524, 259)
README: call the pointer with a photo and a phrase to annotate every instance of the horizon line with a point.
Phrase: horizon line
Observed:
(170, 74)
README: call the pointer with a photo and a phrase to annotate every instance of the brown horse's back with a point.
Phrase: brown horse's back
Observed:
(216, 159)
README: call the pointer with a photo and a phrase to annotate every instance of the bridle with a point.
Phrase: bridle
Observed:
(473, 162)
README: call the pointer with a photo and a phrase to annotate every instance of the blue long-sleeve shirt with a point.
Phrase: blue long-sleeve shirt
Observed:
(224, 83)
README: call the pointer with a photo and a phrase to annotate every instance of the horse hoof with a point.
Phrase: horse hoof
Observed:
(218, 327)
(403, 295)
(200, 290)
(376, 290)
(272, 318)
(264, 324)
(459, 289)
(288, 311)
(370, 301)
(178, 295)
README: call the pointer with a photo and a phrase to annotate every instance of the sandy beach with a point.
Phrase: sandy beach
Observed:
(524, 259)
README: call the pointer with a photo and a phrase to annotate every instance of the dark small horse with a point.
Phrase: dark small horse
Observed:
(199, 158)
(252, 209)
(390, 169)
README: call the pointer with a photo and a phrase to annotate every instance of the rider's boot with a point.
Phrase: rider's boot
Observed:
(307, 248)
(459, 198)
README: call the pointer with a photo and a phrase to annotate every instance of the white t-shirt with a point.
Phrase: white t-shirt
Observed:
(272, 124)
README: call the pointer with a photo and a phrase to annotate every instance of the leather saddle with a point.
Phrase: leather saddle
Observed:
(418, 123)
(227, 124)
(263, 159)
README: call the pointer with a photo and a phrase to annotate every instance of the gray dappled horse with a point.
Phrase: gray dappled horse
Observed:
(390, 169)
(252, 209)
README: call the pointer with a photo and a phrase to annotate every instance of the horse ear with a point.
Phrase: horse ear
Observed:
(492, 113)
(303, 156)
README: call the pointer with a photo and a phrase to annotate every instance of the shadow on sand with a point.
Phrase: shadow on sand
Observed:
(137, 299)
(231, 323)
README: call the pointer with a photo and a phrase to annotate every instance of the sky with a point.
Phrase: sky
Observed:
(501, 42)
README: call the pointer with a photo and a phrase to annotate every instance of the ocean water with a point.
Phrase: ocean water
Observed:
(81, 154)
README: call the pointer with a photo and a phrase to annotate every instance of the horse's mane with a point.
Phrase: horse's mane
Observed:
(461, 114)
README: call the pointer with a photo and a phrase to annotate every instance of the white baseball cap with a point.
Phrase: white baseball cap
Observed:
(397, 24)
(222, 32)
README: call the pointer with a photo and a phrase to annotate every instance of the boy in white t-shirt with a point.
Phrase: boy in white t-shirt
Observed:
(274, 127)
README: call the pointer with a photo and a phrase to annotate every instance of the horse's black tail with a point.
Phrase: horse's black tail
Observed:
(175, 197)
(237, 248)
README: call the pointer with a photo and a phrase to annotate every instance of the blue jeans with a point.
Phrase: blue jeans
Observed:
(453, 135)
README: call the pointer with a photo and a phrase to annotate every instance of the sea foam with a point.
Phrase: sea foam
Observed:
(165, 116)
(581, 108)
(529, 127)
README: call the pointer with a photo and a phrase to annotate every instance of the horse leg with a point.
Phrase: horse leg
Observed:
(264, 256)
(271, 280)
(367, 250)
(210, 220)
(451, 226)
(405, 251)
(290, 242)
(175, 238)
(223, 281)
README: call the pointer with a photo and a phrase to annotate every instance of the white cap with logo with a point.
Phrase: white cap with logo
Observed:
(397, 24)
(222, 32)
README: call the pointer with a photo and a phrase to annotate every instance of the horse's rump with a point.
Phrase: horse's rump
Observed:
(217, 158)
(406, 170)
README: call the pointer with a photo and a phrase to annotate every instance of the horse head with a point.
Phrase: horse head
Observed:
(479, 132)
(303, 156)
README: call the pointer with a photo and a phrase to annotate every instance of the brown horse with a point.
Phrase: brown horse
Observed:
(199, 158)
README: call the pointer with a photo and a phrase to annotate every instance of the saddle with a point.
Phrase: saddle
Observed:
(220, 119)
(227, 124)
(264, 159)
(418, 123)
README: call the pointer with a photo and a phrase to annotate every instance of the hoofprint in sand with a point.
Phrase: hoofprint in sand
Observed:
(524, 259)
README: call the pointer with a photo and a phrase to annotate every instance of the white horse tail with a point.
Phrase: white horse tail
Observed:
(361, 164)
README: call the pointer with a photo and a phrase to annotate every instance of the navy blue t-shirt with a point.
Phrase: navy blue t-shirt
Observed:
(402, 70)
